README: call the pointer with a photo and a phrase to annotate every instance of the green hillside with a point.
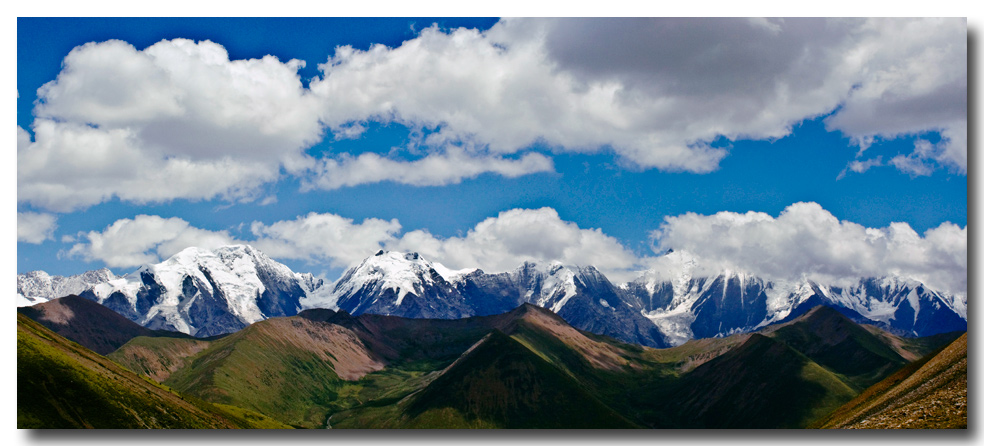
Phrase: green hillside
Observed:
(526, 368)
(498, 384)
(61, 384)
(289, 368)
(157, 357)
(761, 384)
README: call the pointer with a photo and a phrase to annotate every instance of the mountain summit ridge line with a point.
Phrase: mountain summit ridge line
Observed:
(210, 292)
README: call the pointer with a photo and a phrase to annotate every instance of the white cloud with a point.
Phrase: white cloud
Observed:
(144, 239)
(33, 227)
(913, 80)
(658, 91)
(806, 241)
(859, 166)
(477, 92)
(73, 166)
(184, 98)
(503, 242)
(496, 244)
(180, 120)
(927, 156)
(176, 120)
(433, 170)
(329, 238)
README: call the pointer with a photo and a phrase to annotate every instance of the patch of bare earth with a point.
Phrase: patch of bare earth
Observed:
(57, 312)
(598, 354)
(159, 363)
(333, 343)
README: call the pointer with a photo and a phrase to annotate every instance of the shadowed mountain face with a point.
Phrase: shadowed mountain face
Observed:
(761, 384)
(501, 383)
(524, 368)
(839, 345)
(95, 326)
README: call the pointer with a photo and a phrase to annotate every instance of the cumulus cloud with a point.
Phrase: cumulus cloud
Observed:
(503, 242)
(33, 227)
(803, 242)
(658, 91)
(186, 99)
(914, 80)
(144, 239)
(72, 166)
(806, 241)
(504, 97)
(180, 120)
(433, 170)
(496, 244)
(176, 120)
(328, 238)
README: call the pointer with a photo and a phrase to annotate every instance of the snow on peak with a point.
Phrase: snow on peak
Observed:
(403, 273)
(38, 286)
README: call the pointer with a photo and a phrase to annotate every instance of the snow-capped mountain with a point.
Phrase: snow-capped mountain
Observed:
(196, 291)
(408, 285)
(204, 293)
(686, 302)
(398, 284)
(37, 286)
(583, 296)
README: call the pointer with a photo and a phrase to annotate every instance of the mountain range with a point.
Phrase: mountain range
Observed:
(212, 292)
(525, 368)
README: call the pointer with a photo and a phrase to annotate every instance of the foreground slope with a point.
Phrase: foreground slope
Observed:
(498, 383)
(929, 393)
(61, 384)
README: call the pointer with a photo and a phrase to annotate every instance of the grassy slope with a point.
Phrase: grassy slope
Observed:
(761, 384)
(928, 393)
(499, 383)
(61, 384)
(841, 346)
(157, 358)
(288, 368)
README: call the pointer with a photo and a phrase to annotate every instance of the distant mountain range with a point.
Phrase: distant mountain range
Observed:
(212, 292)
(525, 368)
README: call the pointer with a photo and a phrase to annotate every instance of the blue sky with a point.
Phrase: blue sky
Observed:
(483, 143)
